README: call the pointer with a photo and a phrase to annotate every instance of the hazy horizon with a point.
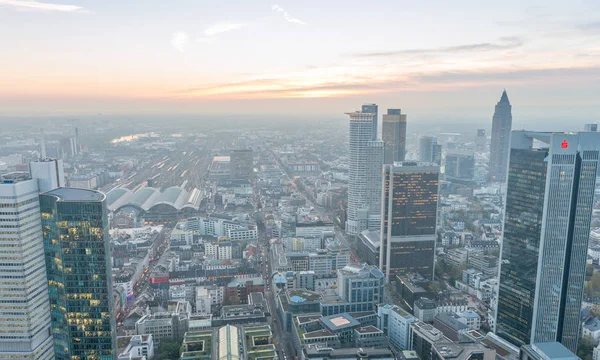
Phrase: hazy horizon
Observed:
(435, 60)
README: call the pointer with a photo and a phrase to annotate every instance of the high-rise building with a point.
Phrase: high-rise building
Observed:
(499, 151)
(365, 158)
(393, 134)
(430, 150)
(409, 218)
(50, 173)
(460, 165)
(360, 285)
(25, 310)
(591, 127)
(241, 163)
(549, 201)
(480, 140)
(75, 231)
(372, 109)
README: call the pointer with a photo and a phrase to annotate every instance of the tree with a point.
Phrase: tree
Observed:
(168, 349)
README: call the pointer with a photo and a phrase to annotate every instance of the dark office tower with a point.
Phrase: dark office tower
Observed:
(241, 163)
(460, 165)
(372, 109)
(549, 201)
(430, 150)
(501, 126)
(480, 140)
(393, 134)
(591, 127)
(75, 231)
(409, 216)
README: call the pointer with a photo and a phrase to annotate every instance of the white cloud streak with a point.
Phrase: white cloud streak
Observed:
(221, 28)
(36, 5)
(287, 16)
(180, 40)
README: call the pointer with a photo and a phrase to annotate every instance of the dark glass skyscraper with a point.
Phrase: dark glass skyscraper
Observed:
(74, 224)
(372, 109)
(409, 218)
(393, 134)
(499, 151)
(549, 203)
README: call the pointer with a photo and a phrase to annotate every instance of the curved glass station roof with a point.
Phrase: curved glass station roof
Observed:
(148, 197)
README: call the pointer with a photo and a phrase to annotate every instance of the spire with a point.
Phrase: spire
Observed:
(504, 97)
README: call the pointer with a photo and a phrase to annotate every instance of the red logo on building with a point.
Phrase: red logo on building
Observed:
(564, 144)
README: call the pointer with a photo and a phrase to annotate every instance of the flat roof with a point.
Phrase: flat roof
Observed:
(75, 194)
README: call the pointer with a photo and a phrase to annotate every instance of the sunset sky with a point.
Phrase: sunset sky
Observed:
(185, 56)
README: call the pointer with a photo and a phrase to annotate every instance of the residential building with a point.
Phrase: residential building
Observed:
(241, 287)
(77, 252)
(549, 201)
(365, 158)
(409, 218)
(499, 147)
(393, 134)
(27, 332)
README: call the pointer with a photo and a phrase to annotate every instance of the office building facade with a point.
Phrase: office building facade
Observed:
(372, 109)
(25, 322)
(49, 173)
(499, 147)
(549, 203)
(460, 165)
(480, 140)
(365, 158)
(75, 231)
(393, 134)
(430, 150)
(241, 163)
(409, 218)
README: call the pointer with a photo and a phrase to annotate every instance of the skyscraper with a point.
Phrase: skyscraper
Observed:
(241, 163)
(49, 173)
(365, 158)
(372, 109)
(74, 223)
(549, 201)
(460, 165)
(409, 218)
(393, 134)
(501, 126)
(430, 150)
(24, 306)
(480, 140)
(591, 127)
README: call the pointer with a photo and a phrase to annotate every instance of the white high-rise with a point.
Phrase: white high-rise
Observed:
(25, 328)
(365, 161)
(49, 173)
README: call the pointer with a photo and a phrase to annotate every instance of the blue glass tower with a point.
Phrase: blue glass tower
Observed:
(74, 224)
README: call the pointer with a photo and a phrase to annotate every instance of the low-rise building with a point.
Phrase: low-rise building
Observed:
(139, 346)
(396, 325)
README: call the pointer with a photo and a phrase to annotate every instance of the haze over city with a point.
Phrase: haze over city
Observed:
(443, 60)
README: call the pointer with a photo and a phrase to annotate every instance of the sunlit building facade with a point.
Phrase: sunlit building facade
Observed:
(25, 331)
(365, 159)
(409, 218)
(393, 134)
(550, 195)
(74, 224)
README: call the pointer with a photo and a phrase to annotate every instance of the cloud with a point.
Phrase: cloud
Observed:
(221, 28)
(36, 5)
(180, 40)
(591, 27)
(287, 16)
(505, 43)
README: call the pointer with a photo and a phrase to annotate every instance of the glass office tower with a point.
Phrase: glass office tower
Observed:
(74, 224)
(549, 203)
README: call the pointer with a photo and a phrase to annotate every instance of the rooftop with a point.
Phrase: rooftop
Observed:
(74, 194)
(368, 330)
(553, 351)
(339, 321)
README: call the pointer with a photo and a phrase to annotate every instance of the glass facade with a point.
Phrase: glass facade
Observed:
(520, 246)
(409, 213)
(78, 266)
(393, 134)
